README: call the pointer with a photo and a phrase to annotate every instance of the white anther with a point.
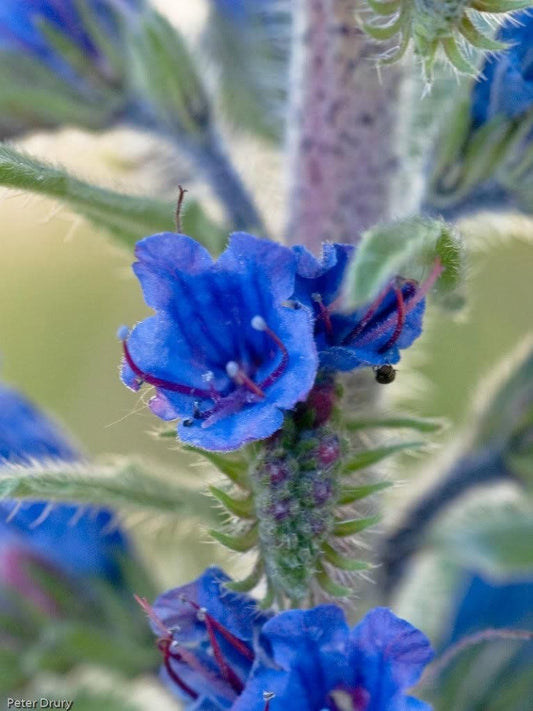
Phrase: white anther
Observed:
(259, 323)
(201, 614)
(268, 695)
(232, 368)
(208, 376)
(123, 332)
(317, 297)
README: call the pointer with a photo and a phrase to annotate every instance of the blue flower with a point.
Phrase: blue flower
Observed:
(206, 636)
(310, 660)
(506, 84)
(220, 651)
(371, 336)
(73, 53)
(75, 542)
(225, 351)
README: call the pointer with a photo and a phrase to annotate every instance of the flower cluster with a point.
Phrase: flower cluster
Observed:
(220, 652)
(234, 342)
(61, 537)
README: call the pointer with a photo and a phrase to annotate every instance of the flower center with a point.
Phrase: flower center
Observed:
(348, 699)
(224, 405)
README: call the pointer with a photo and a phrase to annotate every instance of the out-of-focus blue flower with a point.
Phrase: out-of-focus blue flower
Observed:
(505, 87)
(310, 660)
(483, 604)
(73, 53)
(224, 351)
(371, 336)
(72, 540)
(206, 635)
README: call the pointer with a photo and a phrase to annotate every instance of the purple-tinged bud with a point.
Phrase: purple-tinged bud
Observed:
(278, 472)
(328, 451)
(322, 491)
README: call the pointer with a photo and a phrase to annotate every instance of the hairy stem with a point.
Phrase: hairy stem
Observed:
(343, 127)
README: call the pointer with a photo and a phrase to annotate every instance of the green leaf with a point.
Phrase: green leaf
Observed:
(406, 248)
(241, 542)
(127, 217)
(349, 494)
(411, 423)
(236, 469)
(343, 562)
(369, 457)
(494, 539)
(124, 485)
(342, 529)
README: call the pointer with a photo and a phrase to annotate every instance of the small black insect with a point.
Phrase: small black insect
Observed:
(385, 374)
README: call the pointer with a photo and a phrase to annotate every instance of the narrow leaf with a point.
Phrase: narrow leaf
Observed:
(127, 217)
(347, 528)
(125, 484)
(240, 543)
(411, 423)
(341, 561)
(372, 456)
(349, 494)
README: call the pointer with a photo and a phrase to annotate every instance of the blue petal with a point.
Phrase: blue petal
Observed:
(390, 653)
(161, 257)
(302, 658)
(322, 276)
(269, 266)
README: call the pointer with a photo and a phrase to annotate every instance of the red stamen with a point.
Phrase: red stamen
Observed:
(324, 313)
(215, 625)
(164, 643)
(160, 382)
(234, 641)
(421, 292)
(282, 366)
(363, 323)
(242, 379)
(400, 320)
(150, 612)
(164, 646)
(227, 672)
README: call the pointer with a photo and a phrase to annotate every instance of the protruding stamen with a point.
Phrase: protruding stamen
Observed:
(400, 310)
(259, 323)
(420, 293)
(363, 323)
(160, 382)
(212, 626)
(324, 312)
(267, 698)
(181, 196)
(235, 642)
(123, 332)
(165, 648)
(165, 644)
(239, 376)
